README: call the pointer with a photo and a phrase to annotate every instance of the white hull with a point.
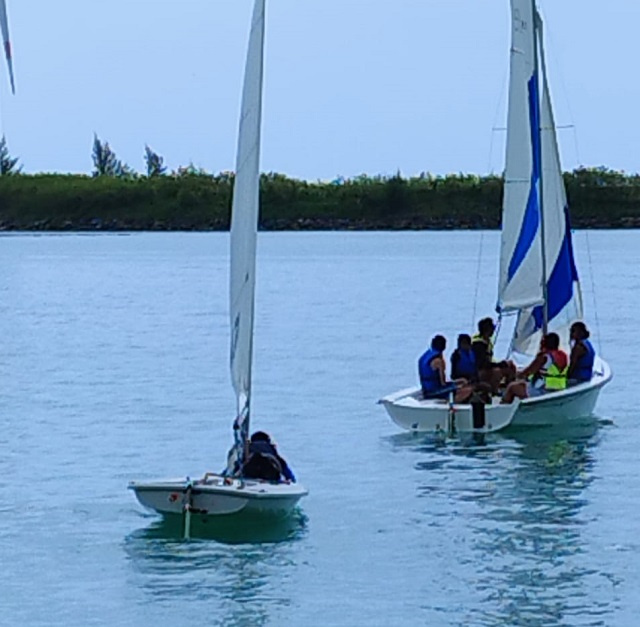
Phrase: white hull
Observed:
(409, 411)
(556, 408)
(217, 496)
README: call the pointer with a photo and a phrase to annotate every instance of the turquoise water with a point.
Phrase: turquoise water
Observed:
(114, 367)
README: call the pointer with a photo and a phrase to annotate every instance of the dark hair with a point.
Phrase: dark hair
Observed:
(464, 337)
(260, 436)
(582, 328)
(486, 324)
(552, 341)
(438, 343)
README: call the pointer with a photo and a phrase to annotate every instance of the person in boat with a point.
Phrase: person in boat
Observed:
(546, 373)
(582, 355)
(463, 360)
(263, 460)
(432, 369)
(493, 373)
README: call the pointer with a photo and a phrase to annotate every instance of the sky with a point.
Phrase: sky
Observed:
(351, 86)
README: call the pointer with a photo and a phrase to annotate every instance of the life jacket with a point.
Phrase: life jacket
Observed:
(489, 344)
(584, 368)
(555, 376)
(429, 378)
(262, 462)
(465, 364)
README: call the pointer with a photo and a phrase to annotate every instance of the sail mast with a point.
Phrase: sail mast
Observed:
(538, 156)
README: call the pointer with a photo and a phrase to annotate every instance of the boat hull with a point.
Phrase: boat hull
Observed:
(217, 496)
(556, 408)
(409, 411)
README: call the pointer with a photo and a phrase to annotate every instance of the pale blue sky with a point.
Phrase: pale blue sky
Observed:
(352, 86)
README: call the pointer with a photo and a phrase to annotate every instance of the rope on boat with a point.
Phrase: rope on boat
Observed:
(475, 295)
(593, 291)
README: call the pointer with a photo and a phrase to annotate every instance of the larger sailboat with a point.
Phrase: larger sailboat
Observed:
(538, 283)
(228, 492)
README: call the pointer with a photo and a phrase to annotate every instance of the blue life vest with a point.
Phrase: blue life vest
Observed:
(429, 378)
(584, 368)
(465, 364)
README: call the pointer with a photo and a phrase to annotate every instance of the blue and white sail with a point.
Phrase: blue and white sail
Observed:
(538, 276)
(244, 226)
(6, 42)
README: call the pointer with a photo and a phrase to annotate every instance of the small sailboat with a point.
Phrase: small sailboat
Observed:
(228, 492)
(6, 42)
(538, 286)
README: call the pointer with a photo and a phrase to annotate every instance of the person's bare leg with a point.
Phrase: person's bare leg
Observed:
(515, 389)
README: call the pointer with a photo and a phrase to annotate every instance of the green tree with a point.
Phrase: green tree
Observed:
(8, 164)
(105, 162)
(155, 163)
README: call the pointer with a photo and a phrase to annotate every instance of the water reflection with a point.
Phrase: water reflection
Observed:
(523, 497)
(233, 563)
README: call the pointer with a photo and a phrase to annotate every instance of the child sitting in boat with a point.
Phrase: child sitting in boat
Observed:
(432, 368)
(546, 373)
(264, 462)
(582, 355)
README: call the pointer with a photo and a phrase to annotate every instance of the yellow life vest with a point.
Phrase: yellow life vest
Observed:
(554, 378)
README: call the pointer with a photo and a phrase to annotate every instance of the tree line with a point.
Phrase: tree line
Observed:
(114, 197)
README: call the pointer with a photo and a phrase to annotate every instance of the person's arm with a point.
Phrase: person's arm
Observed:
(480, 351)
(440, 367)
(534, 366)
(577, 352)
(287, 473)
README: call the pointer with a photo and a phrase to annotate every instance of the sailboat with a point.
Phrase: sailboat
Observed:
(538, 285)
(228, 492)
(6, 42)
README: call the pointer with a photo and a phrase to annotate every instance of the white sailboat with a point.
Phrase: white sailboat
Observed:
(6, 42)
(538, 282)
(228, 492)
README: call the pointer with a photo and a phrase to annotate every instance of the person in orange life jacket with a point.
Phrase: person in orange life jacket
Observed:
(489, 371)
(546, 373)
(432, 368)
(582, 355)
(262, 460)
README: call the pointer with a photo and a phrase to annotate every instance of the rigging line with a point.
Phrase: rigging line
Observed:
(499, 102)
(593, 291)
(475, 296)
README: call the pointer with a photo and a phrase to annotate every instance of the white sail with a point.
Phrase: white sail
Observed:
(244, 225)
(520, 283)
(539, 281)
(6, 42)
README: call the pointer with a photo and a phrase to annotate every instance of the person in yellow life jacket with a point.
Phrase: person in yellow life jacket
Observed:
(546, 373)
(489, 371)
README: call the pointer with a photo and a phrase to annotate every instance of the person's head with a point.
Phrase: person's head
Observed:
(486, 327)
(579, 331)
(551, 341)
(438, 343)
(260, 436)
(464, 341)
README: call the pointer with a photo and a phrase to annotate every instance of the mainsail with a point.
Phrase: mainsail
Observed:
(538, 276)
(244, 225)
(6, 42)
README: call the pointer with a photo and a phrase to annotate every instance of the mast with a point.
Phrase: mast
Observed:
(538, 157)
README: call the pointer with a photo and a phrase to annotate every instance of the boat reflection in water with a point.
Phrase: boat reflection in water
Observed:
(523, 521)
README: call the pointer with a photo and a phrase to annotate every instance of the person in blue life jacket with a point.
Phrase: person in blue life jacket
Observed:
(582, 355)
(463, 360)
(432, 368)
(262, 460)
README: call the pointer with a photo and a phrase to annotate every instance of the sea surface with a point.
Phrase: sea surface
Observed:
(114, 366)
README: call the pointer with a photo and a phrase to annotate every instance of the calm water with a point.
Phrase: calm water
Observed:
(114, 366)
